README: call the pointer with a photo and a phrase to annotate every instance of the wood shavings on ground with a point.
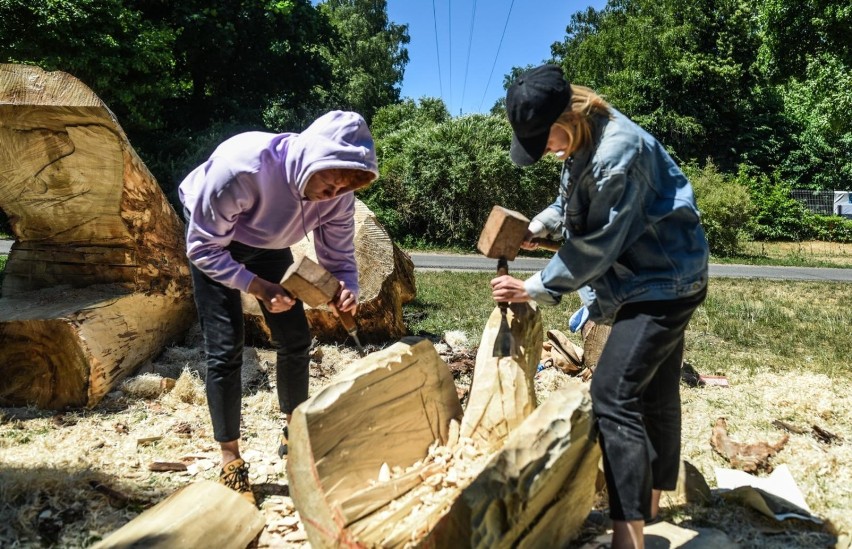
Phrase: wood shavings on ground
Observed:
(68, 480)
(445, 471)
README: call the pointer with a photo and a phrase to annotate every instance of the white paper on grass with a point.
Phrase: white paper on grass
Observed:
(779, 483)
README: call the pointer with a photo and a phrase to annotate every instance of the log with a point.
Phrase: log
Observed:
(537, 490)
(400, 399)
(378, 458)
(386, 278)
(97, 281)
(201, 514)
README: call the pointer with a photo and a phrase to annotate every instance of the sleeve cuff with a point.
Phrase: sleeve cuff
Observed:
(537, 228)
(535, 288)
(243, 279)
(550, 220)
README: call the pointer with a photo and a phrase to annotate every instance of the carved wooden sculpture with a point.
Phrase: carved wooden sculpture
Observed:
(97, 281)
(379, 457)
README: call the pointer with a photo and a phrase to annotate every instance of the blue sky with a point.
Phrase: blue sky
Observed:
(461, 79)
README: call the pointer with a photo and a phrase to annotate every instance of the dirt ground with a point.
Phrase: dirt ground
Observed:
(70, 479)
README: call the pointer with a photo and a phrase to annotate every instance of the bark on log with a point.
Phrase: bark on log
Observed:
(386, 278)
(202, 514)
(376, 458)
(86, 214)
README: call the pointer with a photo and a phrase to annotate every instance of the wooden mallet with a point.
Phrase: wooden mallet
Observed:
(500, 239)
(307, 280)
(504, 233)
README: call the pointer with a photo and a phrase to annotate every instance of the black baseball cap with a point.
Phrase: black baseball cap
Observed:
(533, 102)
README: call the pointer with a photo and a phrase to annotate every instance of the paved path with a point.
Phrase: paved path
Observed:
(451, 262)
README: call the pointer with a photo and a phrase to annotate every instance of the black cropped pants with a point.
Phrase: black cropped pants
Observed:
(636, 400)
(220, 313)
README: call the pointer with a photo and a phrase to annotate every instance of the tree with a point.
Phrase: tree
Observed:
(820, 104)
(367, 55)
(806, 50)
(107, 44)
(232, 58)
(794, 31)
(685, 71)
(440, 176)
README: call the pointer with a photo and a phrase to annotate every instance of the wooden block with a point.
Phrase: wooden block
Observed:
(310, 282)
(503, 233)
(202, 514)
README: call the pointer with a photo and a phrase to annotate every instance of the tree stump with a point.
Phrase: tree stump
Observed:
(386, 278)
(97, 281)
(378, 458)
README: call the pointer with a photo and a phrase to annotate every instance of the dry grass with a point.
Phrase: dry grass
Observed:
(832, 254)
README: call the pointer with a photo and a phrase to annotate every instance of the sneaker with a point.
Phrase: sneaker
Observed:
(282, 445)
(235, 475)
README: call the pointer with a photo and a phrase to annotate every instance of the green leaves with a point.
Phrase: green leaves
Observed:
(441, 176)
(367, 53)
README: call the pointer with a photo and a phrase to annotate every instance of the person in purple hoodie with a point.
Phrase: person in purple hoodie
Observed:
(257, 195)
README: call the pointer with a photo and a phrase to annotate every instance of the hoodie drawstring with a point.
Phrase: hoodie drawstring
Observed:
(304, 225)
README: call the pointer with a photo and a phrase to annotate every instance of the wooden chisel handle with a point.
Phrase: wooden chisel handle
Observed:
(547, 244)
(348, 321)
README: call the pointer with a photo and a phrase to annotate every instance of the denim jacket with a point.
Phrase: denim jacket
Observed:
(631, 228)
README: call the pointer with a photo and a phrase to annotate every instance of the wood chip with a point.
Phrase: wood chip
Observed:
(784, 426)
(824, 436)
(746, 457)
(147, 440)
(166, 466)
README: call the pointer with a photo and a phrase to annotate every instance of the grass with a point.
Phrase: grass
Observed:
(790, 254)
(793, 254)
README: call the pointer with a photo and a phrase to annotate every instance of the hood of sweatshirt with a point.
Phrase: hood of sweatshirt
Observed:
(338, 139)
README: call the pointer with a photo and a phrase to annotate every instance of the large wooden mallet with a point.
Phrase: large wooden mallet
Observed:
(504, 233)
(501, 239)
(307, 280)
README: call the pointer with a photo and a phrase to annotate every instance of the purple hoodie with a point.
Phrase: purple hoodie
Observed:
(251, 190)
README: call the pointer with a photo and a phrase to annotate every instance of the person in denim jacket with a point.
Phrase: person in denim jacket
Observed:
(632, 233)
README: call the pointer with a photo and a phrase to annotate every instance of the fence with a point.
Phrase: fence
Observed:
(825, 202)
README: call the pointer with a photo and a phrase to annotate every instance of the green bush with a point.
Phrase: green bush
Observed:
(831, 228)
(725, 207)
(778, 215)
(440, 179)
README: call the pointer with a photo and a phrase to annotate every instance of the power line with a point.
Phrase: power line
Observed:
(450, 29)
(438, 49)
(496, 55)
(469, 44)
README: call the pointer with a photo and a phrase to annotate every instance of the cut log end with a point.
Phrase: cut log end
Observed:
(42, 365)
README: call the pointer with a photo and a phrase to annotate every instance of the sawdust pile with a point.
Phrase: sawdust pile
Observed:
(69, 479)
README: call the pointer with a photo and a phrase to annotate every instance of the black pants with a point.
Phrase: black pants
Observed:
(636, 399)
(220, 313)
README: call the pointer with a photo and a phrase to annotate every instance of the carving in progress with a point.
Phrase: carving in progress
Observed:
(97, 281)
